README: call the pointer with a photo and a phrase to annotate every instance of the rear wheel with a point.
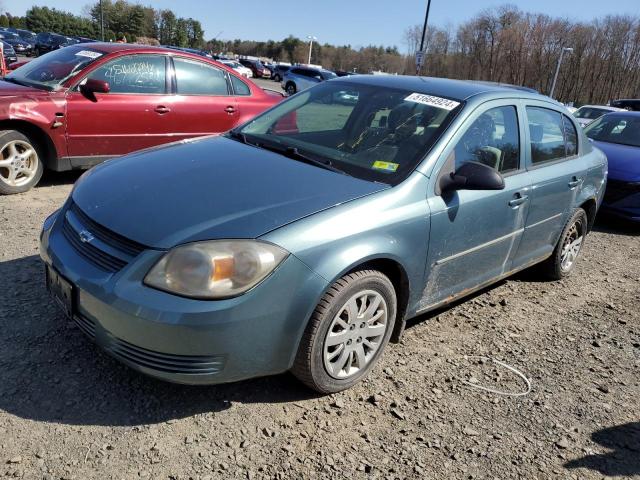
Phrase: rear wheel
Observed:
(291, 88)
(564, 257)
(347, 332)
(20, 164)
(277, 78)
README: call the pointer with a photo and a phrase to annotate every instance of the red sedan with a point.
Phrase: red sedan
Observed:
(85, 103)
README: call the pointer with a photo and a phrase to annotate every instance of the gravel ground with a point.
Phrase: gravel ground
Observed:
(69, 411)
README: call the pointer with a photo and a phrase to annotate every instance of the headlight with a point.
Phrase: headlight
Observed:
(215, 269)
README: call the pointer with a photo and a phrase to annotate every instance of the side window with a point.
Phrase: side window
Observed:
(142, 74)
(198, 78)
(570, 137)
(547, 134)
(493, 139)
(239, 87)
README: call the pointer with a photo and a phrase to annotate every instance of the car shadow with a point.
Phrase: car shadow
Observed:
(49, 371)
(619, 226)
(51, 178)
(624, 457)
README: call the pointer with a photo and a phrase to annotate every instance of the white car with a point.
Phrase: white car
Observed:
(588, 113)
(241, 69)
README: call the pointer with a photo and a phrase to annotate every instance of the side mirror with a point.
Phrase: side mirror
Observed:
(92, 86)
(472, 176)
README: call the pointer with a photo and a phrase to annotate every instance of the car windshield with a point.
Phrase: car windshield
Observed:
(589, 113)
(27, 35)
(373, 133)
(10, 36)
(49, 71)
(621, 129)
(327, 75)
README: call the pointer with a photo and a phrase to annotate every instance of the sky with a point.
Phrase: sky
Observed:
(340, 22)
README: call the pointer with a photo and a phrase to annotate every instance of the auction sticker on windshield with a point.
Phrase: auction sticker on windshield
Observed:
(88, 53)
(432, 101)
(385, 166)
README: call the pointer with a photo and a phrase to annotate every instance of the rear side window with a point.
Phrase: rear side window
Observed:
(571, 137)
(493, 139)
(198, 78)
(547, 135)
(239, 87)
(141, 74)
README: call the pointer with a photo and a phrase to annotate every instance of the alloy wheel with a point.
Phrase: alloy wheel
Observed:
(571, 246)
(355, 334)
(18, 163)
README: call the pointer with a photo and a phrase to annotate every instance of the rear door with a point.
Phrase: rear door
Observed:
(475, 233)
(135, 114)
(556, 174)
(203, 103)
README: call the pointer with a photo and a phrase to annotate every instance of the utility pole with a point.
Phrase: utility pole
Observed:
(555, 77)
(101, 22)
(420, 54)
(311, 39)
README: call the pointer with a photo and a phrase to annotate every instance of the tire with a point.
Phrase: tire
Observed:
(19, 171)
(277, 78)
(358, 335)
(562, 262)
(290, 88)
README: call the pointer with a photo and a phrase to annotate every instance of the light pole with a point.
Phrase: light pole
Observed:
(420, 56)
(311, 39)
(555, 77)
(101, 22)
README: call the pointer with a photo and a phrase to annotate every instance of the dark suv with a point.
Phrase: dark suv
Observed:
(279, 71)
(47, 42)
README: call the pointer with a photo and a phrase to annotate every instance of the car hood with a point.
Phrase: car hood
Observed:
(8, 89)
(624, 161)
(207, 189)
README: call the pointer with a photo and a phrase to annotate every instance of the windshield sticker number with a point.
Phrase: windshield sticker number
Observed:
(385, 166)
(432, 101)
(88, 54)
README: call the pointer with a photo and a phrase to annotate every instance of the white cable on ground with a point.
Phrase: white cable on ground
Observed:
(498, 392)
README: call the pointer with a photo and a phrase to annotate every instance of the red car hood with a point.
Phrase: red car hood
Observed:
(8, 89)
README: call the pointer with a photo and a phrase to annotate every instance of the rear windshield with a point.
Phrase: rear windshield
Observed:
(590, 113)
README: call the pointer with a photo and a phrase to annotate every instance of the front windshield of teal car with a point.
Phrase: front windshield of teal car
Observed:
(49, 71)
(373, 133)
(621, 129)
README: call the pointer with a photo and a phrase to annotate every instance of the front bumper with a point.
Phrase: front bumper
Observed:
(185, 340)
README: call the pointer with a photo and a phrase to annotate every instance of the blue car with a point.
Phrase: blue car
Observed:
(618, 136)
(304, 239)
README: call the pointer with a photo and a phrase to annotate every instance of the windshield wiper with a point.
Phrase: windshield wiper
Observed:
(238, 136)
(295, 154)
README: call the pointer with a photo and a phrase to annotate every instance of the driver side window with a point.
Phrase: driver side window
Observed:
(141, 74)
(492, 139)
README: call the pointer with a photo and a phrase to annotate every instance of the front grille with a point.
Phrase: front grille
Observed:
(618, 190)
(163, 362)
(100, 246)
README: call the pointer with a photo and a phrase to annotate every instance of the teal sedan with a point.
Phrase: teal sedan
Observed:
(303, 240)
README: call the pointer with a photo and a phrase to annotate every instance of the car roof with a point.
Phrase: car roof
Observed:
(604, 107)
(445, 87)
(623, 113)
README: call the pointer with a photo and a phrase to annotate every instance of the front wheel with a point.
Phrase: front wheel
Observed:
(347, 332)
(277, 78)
(20, 165)
(563, 260)
(291, 88)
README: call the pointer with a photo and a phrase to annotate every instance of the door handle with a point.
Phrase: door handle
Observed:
(574, 182)
(518, 200)
(230, 109)
(161, 109)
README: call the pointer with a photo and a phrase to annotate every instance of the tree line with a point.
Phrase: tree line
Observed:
(508, 45)
(120, 19)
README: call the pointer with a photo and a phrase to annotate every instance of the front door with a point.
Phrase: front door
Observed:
(475, 234)
(135, 114)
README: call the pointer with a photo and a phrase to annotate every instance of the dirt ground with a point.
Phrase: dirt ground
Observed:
(68, 411)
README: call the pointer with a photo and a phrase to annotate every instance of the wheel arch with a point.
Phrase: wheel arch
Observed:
(36, 134)
(590, 206)
(399, 278)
